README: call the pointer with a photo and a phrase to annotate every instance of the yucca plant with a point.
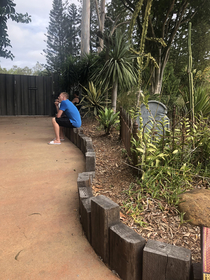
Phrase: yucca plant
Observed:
(119, 69)
(93, 100)
(108, 118)
(201, 101)
(202, 104)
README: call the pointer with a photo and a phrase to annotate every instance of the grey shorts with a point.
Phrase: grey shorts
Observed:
(64, 121)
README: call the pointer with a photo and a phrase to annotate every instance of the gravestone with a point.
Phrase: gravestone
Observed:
(153, 117)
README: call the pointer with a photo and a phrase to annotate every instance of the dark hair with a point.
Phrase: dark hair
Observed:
(76, 92)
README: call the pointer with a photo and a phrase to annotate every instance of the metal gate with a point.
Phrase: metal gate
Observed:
(25, 95)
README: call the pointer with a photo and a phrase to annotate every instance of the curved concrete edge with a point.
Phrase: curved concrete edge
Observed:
(120, 247)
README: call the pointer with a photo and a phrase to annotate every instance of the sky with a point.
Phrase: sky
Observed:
(28, 40)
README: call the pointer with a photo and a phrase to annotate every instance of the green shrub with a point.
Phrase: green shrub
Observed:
(93, 100)
(169, 163)
(107, 118)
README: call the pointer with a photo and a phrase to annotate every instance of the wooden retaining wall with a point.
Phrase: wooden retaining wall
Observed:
(120, 247)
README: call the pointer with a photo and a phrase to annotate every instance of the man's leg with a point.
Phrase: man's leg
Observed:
(57, 130)
(61, 133)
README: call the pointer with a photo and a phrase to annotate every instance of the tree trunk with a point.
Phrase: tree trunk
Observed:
(85, 28)
(157, 76)
(114, 95)
(101, 20)
(102, 16)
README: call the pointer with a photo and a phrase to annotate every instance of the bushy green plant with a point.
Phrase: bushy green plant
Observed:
(93, 100)
(119, 69)
(163, 174)
(201, 101)
(170, 161)
(107, 118)
(126, 99)
(200, 150)
(133, 204)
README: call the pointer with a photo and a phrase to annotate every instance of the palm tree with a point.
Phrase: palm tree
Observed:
(119, 68)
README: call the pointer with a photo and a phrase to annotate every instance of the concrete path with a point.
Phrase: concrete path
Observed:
(40, 232)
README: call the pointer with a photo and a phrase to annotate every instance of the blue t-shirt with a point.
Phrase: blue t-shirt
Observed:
(71, 112)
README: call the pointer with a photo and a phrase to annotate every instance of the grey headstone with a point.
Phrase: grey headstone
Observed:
(158, 112)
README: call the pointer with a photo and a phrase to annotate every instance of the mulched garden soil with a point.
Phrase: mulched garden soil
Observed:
(113, 178)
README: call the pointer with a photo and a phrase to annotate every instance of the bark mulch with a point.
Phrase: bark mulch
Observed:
(114, 176)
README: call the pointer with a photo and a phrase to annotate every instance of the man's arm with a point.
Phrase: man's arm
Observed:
(57, 105)
(60, 112)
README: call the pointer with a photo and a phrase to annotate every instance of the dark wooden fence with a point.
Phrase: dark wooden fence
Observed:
(127, 131)
(25, 95)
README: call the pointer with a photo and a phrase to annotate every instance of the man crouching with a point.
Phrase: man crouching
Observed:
(71, 118)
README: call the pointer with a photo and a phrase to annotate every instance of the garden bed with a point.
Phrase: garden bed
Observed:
(114, 178)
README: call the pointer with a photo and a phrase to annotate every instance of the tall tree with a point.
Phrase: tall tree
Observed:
(201, 38)
(56, 37)
(117, 16)
(94, 41)
(101, 20)
(7, 11)
(167, 16)
(73, 26)
(200, 45)
(85, 28)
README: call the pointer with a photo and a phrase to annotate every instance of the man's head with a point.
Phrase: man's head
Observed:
(76, 93)
(63, 96)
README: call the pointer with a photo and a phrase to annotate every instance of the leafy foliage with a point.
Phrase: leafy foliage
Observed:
(62, 35)
(166, 19)
(93, 100)
(86, 66)
(119, 64)
(7, 11)
(107, 118)
(200, 42)
(201, 101)
(37, 70)
(169, 162)
(118, 68)
(70, 73)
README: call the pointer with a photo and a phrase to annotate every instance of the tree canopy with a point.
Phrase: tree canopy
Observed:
(7, 11)
(62, 35)
(166, 18)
